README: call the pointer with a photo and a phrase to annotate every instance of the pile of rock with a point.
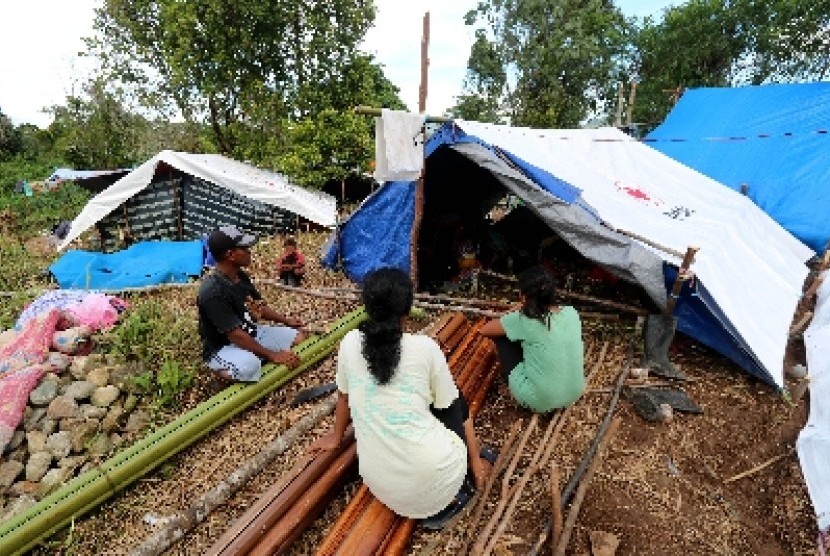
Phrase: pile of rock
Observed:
(76, 417)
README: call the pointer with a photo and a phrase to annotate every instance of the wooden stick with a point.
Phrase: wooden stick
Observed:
(501, 461)
(545, 446)
(798, 327)
(688, 258)
(604, 302)
(757, 468)
(573, 513)
(814, 286)
(478, 547)
(555, 502)
(648, 242)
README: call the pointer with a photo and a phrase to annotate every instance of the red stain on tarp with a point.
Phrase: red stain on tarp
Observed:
(636, 193)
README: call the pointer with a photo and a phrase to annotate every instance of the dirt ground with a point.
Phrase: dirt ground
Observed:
(663, 488)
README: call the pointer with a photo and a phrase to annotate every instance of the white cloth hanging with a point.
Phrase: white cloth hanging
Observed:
(399, 146)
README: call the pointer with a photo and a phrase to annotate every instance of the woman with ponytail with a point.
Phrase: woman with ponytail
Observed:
(412, 426)
(540, 346)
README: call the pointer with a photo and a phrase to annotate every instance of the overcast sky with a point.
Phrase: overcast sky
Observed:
(40, 41)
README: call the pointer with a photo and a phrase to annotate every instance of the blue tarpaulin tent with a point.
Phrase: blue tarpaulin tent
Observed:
(772, 141)
(599, 191)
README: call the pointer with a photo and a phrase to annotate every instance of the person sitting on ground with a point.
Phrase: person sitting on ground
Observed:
(292, 263)
(540, 346)
(415, 439)
(234, 345)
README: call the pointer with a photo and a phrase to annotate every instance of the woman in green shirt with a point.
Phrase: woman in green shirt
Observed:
(540, 346)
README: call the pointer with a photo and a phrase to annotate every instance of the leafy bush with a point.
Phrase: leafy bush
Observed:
(41, 211)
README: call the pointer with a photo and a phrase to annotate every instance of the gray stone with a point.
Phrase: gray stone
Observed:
(110, 422)
(21, 488)
(36, 441)
(100, 445)
(78, 368)
(99, 376)
(116, 439)
(105, 395)
(48, 425)
(79, 390)
(38, 465)
(16, 440)
(81, 434)
(32, 418)
(62, 407)
(70, 423)
(44, 393)
(19, 454)
(19, 505)
(130, 402)
(89, 411)
(122, 375)
(70, 463)
(9, 471)
(59, 362)
(52, 481)
(136, 421)
(59, 444)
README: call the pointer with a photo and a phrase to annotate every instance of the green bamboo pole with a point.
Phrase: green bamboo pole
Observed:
(89, 490)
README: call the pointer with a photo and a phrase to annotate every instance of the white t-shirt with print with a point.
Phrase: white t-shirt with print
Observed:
(409, 460)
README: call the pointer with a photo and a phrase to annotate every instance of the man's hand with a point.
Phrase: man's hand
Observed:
(287, 358)
(292, 322)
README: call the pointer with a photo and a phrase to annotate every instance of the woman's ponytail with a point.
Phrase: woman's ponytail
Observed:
(387, 296)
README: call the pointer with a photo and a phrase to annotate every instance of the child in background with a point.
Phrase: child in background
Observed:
(292, 263)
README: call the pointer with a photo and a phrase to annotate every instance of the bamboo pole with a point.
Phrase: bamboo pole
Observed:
(374, 528)
(354, 509)
(182, 522)
(555, 503)
(573, 513)
(92, 488)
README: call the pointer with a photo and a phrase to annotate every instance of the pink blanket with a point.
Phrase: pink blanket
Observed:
(14, 394)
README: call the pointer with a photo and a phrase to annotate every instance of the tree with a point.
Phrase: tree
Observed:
(562, 57)
(720, 43)
(9, 138)
(485, 83)
(235, 64)
(96, 131)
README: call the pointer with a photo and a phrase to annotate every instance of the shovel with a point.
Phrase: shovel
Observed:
(313, 393)
(660, 328)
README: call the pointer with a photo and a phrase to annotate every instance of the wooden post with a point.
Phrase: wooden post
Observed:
(618, 116)
(556, 503)
(419, 185)
(632, 95)
(678, 281)
(422, 90)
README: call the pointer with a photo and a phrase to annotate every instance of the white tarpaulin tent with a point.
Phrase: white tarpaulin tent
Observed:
(620, 204)
(814, 441)
(248, 181)
(751, 266)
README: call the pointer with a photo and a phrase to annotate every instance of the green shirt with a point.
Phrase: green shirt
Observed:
(550, 375)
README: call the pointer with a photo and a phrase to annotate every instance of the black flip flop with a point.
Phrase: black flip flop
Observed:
(489, 455)
(440, 520)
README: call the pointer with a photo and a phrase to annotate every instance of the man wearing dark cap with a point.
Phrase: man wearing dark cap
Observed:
(233, 344)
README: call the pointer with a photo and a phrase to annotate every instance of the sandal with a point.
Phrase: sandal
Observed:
(489, 455)
(440, 520)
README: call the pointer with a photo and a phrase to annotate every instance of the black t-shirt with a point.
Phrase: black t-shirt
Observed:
(222, 308)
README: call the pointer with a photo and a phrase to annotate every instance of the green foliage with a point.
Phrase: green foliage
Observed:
(329, 146)
(10, 143)
(227, 61)
(162, 342)
(563, 58)
(97, 131)
(486, 82)
(166, 384)
(728, 43)
(38, 213)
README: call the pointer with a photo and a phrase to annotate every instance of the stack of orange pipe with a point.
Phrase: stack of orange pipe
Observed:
(366, 525)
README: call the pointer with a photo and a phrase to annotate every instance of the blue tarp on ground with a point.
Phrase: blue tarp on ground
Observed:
(774, 139)
(144, 264)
